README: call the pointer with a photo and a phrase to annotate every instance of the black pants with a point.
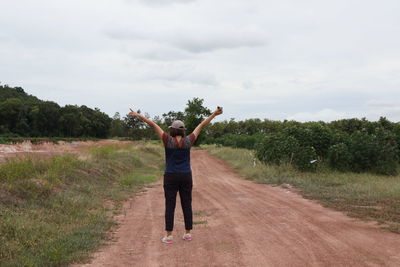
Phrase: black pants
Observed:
(172, 184)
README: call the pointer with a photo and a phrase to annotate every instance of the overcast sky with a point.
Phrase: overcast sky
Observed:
(283, 59)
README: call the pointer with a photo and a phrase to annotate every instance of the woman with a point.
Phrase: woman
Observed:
(178, 173)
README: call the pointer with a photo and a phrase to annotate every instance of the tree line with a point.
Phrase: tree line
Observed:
(194, 113)
(25, 115)
(347, 144)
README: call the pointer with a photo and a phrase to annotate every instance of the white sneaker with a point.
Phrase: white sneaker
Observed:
(167, 239)
(187, 237)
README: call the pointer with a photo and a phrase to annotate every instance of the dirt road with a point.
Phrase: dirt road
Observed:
(240, 223)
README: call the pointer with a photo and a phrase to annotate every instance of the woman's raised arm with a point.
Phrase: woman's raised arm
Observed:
(151, 123)
(204, 123)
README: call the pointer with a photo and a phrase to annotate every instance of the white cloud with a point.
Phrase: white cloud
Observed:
(375, 103)
(162, 2)
(383, 108)
(321, 115)
(194, 40)
(306, 60)
(179, 73)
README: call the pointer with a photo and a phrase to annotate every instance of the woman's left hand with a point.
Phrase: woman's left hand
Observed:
(218, 111)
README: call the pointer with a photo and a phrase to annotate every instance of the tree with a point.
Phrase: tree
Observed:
(117, 126)
(26, 115)
(195, 113)
(135, 126)
(171, 116)
(11, 112)
(70, 122)
(44, 118)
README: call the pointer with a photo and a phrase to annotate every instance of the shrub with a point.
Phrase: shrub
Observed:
(340, 137)
(388, 153)
(315, 135)
(302, 134)
(339, 157)
(236, 140)
(354, 144)
(364, 149)
(321, 139)
(246, 141)
(303, 158)
(276, 148)
(374, 152)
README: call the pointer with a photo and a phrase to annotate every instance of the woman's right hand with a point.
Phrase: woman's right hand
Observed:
(133, 113)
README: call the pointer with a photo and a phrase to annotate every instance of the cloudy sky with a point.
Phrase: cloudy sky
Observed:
(281, 59)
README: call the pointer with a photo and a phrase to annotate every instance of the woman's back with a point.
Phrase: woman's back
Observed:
(177, 153)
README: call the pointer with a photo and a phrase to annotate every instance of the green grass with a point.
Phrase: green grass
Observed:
(55, 211)
(200, 217)
(362, 195)
(199, 222)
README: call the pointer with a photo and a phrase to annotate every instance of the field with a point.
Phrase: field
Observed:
(363, 195)
(60, 202)
(57, 202)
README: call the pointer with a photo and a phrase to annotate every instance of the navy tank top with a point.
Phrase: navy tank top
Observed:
(177, 153)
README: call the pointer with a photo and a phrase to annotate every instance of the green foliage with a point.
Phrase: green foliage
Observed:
(353, 144)
(364, 148)
(246, 127)
(236, 140)
(304, 158)
(171, 116)
(339, 157)
(321, 139)
(82, 121)
(276, 148)
(195, 113)
(7, 92)
(135, 126)
(11, 112)
(25, 115)
(349, 126)
(315, 135)
(282, 148)
(117, 126)
(361, 151)
(374, 152)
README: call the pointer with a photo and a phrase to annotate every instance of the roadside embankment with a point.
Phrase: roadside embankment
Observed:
(55, 210)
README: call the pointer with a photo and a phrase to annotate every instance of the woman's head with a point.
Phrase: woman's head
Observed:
(177, 128)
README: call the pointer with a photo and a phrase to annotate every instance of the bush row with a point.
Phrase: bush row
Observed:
(306, 147)
(235, 140)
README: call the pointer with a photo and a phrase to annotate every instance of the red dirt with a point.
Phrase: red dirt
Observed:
(244, 224)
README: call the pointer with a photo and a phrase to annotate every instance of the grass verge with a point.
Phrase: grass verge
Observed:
(55, 211)
(367, 196)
